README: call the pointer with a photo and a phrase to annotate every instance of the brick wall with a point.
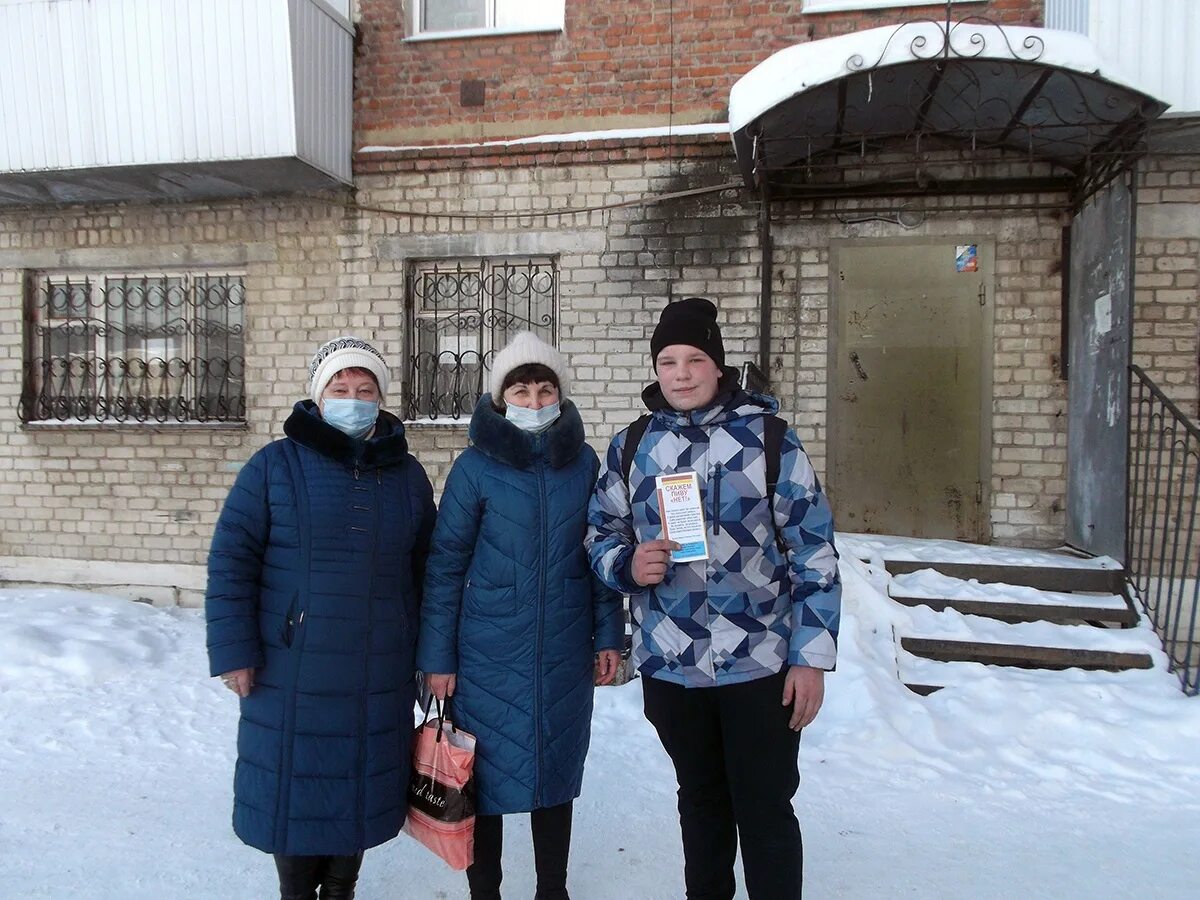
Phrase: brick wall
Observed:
(1167, 314)
(618, 267)
(613, 65)
(145, 494)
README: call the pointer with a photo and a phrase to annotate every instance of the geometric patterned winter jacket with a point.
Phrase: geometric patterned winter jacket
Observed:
(751, 608)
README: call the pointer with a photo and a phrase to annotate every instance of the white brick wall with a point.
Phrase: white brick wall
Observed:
(150, 495)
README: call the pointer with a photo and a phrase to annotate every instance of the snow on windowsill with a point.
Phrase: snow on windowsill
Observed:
(814, 7)
(439, 422)
(94, 424)
(482, 32)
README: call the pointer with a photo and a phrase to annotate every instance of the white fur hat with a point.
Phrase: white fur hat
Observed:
(346, 352)
(526, 347)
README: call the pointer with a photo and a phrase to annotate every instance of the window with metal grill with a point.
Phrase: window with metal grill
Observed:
(159, 348)
(460, 312)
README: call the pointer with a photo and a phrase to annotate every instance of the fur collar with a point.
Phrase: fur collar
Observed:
(386, 447)
(504, 442)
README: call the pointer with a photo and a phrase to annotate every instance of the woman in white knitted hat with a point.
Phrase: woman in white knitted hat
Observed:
(313, 597)
(512, 620)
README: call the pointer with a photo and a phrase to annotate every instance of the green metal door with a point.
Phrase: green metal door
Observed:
(909, 383)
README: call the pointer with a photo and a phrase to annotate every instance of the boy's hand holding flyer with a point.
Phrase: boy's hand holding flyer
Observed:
(682, 512)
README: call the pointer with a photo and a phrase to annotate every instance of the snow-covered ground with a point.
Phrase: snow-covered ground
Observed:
(116, 757)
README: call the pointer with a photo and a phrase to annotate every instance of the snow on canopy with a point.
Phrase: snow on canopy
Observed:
(801, 67)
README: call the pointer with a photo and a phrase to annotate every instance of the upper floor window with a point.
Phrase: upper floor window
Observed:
(458, 18)
(460, 312)
(167, 347)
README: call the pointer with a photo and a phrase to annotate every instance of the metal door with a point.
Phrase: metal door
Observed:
(1100, 333)
(909, 383)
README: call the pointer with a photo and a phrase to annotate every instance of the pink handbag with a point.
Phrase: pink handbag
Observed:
(441, 791)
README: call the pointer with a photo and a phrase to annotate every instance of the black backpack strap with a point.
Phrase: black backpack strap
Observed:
(633, 437)
(774, 428)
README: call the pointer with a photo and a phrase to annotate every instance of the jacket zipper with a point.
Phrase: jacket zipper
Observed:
(708, 609)
(716, 477)
(541, 610)
(366, 687)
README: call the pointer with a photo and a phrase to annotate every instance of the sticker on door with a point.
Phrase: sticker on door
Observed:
(966, 258)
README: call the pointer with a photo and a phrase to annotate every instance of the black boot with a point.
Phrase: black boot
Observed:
(551, 847)
(484, 874)
(340, 876)
(299, 876)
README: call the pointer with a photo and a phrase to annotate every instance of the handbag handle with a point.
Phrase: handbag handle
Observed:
(441, 717)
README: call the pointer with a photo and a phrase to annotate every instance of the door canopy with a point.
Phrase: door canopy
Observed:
(937, 108)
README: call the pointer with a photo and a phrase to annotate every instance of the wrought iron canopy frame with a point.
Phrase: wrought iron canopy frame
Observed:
(965, 107)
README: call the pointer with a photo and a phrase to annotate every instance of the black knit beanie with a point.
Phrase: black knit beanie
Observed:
(693, 322)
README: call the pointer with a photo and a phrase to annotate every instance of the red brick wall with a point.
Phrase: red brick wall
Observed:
(610, 68)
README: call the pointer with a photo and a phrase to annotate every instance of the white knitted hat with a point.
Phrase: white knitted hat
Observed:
(345, 352)
(526, 347)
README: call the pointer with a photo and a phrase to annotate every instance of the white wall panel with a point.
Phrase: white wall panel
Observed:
(1067, 15)
(1154, 42)
(322, 70)
(98, 83)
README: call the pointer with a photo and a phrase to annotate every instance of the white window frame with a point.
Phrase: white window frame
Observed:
(554, 20)
(813, 7)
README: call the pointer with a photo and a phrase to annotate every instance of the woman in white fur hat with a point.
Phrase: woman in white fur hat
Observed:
(512, 619)
(313, 594)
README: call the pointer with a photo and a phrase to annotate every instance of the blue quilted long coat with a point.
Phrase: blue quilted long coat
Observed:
(511, 607)
(314, 580)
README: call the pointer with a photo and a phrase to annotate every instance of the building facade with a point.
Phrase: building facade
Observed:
(565, 167)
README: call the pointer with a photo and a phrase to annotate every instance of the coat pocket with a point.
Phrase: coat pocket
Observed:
(489, 602)
(292, 622)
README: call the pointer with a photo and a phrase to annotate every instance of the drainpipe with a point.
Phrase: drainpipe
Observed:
(768, 264)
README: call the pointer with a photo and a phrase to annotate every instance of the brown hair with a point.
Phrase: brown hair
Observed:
(529, 373)
(357, 370)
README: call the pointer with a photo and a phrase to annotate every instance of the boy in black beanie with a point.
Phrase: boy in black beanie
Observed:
(733, 647)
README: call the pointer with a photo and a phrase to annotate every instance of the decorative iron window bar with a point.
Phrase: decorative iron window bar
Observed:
(1163, 569)
(125, 348)
(460, 312)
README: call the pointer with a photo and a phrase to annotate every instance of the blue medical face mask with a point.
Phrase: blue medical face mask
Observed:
(352, 417)
(533, 420)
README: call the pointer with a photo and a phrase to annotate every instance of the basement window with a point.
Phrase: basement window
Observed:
(440, 19)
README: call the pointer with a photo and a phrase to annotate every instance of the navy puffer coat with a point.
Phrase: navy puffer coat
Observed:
(512, 610)
(314, 580)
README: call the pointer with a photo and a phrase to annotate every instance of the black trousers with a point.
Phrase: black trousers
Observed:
(551, 829)
(301, 876)
(737, 765)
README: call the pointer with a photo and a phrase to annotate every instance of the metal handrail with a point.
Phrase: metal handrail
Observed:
(1163, 556)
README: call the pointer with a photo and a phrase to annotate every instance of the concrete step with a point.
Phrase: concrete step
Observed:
(1012, 627)
(932, 588)
(925, 676)
(1044, 578)
(1025, 656)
